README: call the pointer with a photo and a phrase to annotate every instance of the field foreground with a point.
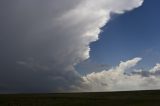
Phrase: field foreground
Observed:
(133, 98)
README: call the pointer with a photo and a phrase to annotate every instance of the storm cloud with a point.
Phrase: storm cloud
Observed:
(41, 41)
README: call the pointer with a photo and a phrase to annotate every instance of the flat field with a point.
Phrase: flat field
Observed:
(130, 98)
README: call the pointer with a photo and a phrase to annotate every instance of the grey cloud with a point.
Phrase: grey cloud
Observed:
(41, 41)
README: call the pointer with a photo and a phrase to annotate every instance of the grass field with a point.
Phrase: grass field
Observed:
(134, 98)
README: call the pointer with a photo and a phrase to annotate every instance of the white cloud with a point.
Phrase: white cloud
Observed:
(116, 79)
(155, 69)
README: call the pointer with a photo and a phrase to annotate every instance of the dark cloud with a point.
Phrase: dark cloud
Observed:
(28, 45)
(41, 41)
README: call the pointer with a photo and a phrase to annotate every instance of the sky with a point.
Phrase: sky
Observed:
(78, 46)
(133, 34)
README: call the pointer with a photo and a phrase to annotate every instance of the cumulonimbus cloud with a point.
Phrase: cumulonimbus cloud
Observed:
(42, 41)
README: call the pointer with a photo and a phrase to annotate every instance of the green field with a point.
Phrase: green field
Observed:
(134, 98)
